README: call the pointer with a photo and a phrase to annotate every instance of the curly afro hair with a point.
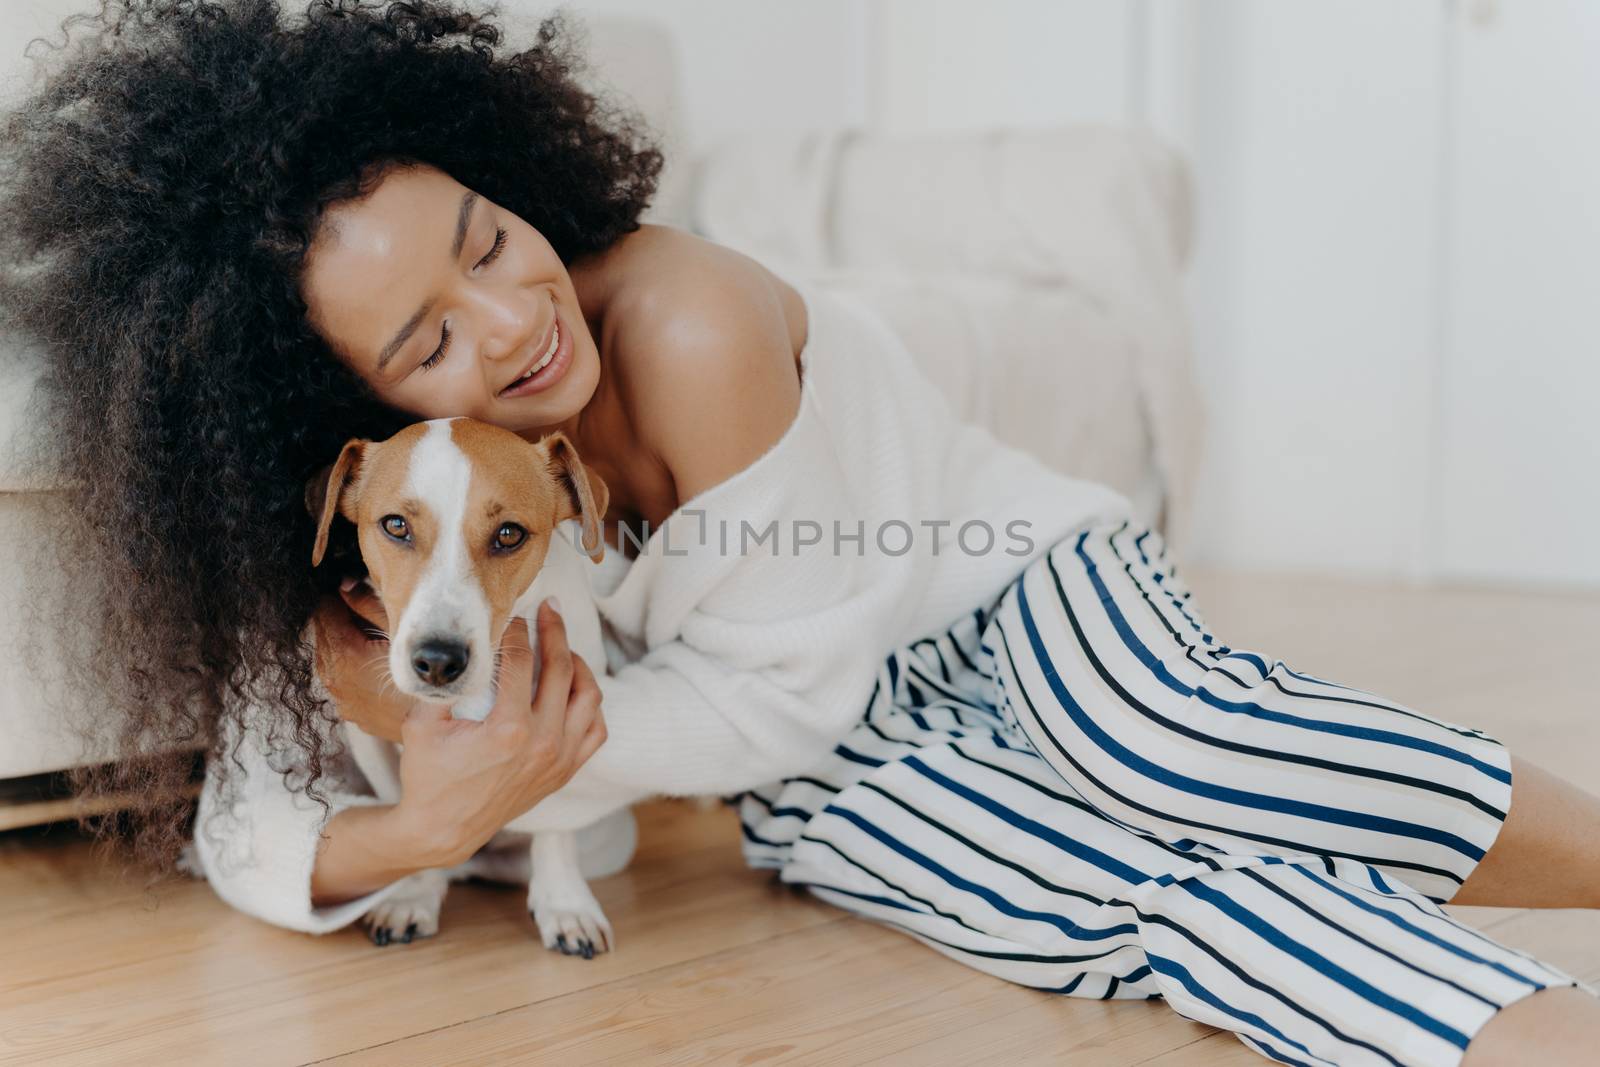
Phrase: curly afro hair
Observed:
(159, 193)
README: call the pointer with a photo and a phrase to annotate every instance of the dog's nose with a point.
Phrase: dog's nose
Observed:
(439, 662)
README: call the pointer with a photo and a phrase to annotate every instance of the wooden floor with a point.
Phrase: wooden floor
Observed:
(716, 964)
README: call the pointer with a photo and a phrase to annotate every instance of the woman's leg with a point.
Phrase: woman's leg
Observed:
(977, 848)
(1103, 662)
(1554, 1026)
(937, 818)
(1547, 854)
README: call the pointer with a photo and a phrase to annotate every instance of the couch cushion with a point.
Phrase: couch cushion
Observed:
(1039, 366)
(26, 459)
(44, 715)
(1098, 211)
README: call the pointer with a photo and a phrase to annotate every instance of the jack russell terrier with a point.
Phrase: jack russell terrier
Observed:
(456, 521)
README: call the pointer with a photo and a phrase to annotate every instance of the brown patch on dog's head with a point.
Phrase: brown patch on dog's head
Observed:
(327, 490)
(367, 474)
(459, 515)
(586, 493)
(534, 486)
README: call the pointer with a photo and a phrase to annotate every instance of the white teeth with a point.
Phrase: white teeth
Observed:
(550, 353)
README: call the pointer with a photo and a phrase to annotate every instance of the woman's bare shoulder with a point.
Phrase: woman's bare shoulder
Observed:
(657, 273)
(705, 344)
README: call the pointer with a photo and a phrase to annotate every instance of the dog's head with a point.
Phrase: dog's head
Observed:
(454, 519)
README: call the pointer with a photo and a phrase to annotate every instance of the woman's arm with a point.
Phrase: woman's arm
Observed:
(257, 835)
(758, 662)
(271, 851)
(363, 850)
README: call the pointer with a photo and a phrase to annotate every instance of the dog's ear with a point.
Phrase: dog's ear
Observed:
(331, 490)
(584, 493)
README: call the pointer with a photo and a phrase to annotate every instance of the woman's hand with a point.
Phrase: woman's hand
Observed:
(462, 781)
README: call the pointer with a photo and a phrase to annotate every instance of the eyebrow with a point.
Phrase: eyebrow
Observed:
(463, 216)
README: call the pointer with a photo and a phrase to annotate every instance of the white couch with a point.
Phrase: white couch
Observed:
(1034, 274)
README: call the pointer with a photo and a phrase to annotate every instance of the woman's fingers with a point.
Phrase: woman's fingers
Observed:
(564, 719)
(515, 674)
(553, 646)
(591, 741)
(424, 714)
(583, 681)
(514, 645)
(555, 666)
(585, 729)
(583, 704)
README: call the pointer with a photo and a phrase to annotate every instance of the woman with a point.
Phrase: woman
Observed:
(244, 239)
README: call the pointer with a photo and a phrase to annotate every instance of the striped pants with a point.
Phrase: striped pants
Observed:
(1078, 789)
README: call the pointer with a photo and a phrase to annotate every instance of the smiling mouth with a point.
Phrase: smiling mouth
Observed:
(543, 361)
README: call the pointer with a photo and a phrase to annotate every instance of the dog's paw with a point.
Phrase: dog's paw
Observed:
(410, 912)
(574, 933)
(570, 924)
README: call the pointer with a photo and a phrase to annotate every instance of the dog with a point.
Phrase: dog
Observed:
(457, 526)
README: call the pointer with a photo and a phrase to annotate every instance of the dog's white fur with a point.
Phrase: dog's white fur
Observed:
(448, 601)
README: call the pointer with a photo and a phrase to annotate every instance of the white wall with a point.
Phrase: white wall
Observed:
(1395, 237)
(1395, 261)
(750, 66)
(1518, 492)
(1315, 150)
(945, 65)
(1397, 227)
(903, 66)
(1392, 291)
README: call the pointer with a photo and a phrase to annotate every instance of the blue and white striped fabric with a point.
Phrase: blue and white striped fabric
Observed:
(1076, 788)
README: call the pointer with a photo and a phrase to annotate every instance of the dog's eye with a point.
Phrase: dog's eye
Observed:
(395, 527)
(510, 535)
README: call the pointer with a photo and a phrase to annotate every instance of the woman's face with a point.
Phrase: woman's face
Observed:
(444, 301)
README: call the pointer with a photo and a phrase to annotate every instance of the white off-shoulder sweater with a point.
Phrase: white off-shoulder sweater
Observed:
(746, 634)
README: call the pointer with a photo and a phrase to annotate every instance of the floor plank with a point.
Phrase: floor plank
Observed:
(115, 981)
(868, 995)
(715, 963)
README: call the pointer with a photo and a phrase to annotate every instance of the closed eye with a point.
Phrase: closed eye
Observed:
(499, 246)
(438, 353)
(500, 238)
